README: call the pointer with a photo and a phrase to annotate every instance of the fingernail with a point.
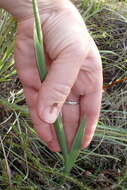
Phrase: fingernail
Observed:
(50, 114)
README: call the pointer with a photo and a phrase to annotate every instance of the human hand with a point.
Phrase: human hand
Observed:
(74, 72)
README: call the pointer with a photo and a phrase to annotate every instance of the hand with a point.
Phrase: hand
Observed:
(74, 73)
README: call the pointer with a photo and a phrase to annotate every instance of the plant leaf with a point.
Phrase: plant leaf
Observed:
(61, 137)
(40, 58)
(75, 149)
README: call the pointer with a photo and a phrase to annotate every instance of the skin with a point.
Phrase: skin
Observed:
(74, 69)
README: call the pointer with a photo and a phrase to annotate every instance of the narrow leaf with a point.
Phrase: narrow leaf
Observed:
(61, 137)
(40, 58)
(75, 149)
(37, 21)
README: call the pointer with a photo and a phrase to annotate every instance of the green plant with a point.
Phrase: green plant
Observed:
(69, 156)
(7, 35)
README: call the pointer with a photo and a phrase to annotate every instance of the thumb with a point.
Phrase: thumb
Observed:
(56, 87)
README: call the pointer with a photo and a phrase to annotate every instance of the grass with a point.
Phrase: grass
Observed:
(25, 162)
(69, 156)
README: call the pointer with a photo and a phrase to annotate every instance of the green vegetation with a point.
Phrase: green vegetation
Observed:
(68, 156)
(25, 162)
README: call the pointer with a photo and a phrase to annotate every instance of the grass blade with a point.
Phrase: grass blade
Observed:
(37, 21)
(69, 157)
(75, 149)
(38, 43)
(61, 137)
(40, 58)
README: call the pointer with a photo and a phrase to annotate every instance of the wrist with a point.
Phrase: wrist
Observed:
(22, 9)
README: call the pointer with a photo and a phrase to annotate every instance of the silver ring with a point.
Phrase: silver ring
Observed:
(70, 102)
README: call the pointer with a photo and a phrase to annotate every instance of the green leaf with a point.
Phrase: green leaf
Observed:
(37, 21)
(39, 56)
(39, 50)
(61, 137)
(75, 149)
(69, 157)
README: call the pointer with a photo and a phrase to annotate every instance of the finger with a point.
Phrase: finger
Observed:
(70, 120)
(43, 129)
(54, 145)
(57, 86)
(90, 108)
(70, 115)
(28, 74)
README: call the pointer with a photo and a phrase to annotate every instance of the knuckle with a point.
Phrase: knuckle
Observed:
(78, 48)
(97, 64)
(62, 89)
(58, 92)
